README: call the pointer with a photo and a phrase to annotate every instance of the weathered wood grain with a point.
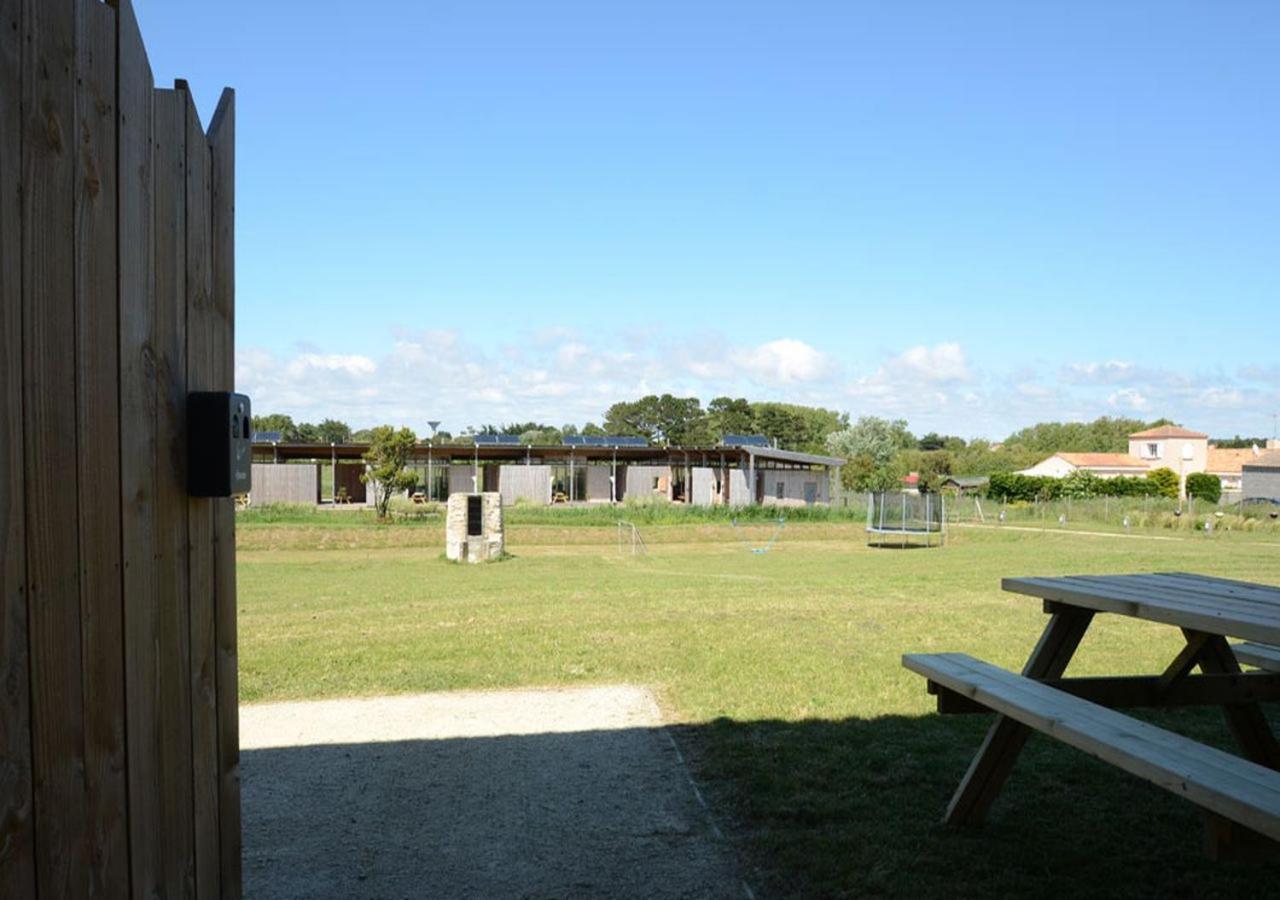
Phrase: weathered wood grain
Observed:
(175, 854)
(17, 845)
(222, 142)
(98, 446)
(201, 353)
(139, 535)
(63, 864)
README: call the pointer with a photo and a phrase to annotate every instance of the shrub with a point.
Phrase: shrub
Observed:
(1204, 486)
(1165, 481)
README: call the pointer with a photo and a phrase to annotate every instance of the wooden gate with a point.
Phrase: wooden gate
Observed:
(119, 760)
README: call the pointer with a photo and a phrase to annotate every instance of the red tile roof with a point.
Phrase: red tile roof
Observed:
(1227, 461)
(1103, 461)
(1168, 431)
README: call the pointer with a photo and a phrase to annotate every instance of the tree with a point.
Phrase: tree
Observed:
(306, 433)
(935, 441)
(1104, 435)
(933, 466)
(794, 427)
(726, 415)
(1165, 480)
(388, 455)
(1203, 486)
(333, 431)
(276, 422)
(677, 421)
(873, 443)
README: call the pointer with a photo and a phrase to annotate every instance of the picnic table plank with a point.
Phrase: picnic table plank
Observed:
(1260, 656)
(1228, 785)
(1260, 623)
(1006, 737)
(1060, 704)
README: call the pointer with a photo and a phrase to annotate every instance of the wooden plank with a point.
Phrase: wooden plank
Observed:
(1246, 720)
(1144, 691)
(1026, 691)
(222, 146)
(1175, 590)
(98, 447)
(1229, 786)
(201, 327)
(1228, 586)
(140, 552)
(1261, 656)
(1006, 737)
(1142, 606)
(174, 853)
(17, 841)
(63, 865)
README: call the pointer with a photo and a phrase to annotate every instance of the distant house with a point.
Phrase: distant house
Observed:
(1104, 465)
(1166, 447)
(965, 484)
(1228, 464)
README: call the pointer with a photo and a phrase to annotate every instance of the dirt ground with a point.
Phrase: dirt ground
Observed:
(562, 793)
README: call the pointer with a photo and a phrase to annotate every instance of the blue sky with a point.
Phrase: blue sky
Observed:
(973, 216)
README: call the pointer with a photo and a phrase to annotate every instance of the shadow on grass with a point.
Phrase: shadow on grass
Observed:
(812, 809)
(853, 807)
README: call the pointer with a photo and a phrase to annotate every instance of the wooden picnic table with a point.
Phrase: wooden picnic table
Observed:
(1079, 711)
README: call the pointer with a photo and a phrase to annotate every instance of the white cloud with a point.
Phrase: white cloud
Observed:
(559, 376)
(1111, 372)
(784, 361)
(1129, 399)
(307, 363)
(943, 362)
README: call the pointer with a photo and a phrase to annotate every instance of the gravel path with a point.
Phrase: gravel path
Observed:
(526, 794)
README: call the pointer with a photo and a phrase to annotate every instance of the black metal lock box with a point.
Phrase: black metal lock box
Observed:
(219, 444)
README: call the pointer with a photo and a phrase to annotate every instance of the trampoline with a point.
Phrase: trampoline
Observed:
(905, 519)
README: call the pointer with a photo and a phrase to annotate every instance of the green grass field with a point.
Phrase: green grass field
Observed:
(822, 755)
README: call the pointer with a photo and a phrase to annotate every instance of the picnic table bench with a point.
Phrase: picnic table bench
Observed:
(1240, 794)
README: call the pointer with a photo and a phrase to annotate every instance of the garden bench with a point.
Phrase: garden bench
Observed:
(1234, 791)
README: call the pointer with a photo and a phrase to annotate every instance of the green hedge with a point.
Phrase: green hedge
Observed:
(1204, 486)
(1012, 488)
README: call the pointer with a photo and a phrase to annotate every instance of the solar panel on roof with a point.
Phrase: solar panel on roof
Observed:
(745, 440)
(575, 440)
(490, 440)
(270, 437)
(619, 440)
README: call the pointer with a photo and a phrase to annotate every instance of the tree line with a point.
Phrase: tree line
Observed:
(880, 452)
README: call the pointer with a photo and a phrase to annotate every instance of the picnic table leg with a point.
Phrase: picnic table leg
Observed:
(1005, 739)
(1246, 720)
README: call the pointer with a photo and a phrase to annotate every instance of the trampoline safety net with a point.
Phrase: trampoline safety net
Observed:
(905, 519)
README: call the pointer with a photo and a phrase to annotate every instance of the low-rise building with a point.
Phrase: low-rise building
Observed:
(1260, 478)
(1167, 447)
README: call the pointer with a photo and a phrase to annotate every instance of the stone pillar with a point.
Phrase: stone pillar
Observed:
(463, 546)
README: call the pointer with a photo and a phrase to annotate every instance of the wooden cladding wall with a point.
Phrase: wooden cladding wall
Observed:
(119, 750)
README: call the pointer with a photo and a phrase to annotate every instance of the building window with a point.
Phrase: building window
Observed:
(781, 491)
(1153, 451)
(657, 483)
